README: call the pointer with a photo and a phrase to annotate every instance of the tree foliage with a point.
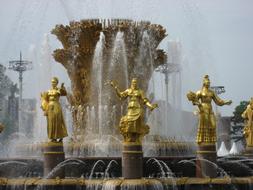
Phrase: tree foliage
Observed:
(238, 122)
(237, 117)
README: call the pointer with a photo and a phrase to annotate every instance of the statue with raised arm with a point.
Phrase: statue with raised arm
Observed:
(248, 129)
(132, 125)
(207, 121)
(56, 128)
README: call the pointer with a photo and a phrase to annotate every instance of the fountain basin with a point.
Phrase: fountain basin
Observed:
(118, 184)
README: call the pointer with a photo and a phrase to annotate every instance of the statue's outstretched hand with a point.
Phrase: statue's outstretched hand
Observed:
(154, 106)
(229, 102)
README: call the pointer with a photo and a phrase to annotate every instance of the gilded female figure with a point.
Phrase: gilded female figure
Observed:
(132, 125)
(207, 121)
(56, 128)
(248, 129)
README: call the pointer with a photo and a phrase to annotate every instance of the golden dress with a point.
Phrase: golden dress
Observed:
(132, 125)
(56, 128)
(207, 120)
(133, 121)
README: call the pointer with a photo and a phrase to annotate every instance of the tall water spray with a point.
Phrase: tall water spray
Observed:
(174, 59)
(118, 67)
(97, 77)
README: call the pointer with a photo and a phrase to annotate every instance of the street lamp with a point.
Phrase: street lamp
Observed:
(20, 66)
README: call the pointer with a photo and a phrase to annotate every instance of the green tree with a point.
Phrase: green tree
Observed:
(237, 122)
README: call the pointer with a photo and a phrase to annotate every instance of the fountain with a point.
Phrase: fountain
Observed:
(106, 50)
(107, 151)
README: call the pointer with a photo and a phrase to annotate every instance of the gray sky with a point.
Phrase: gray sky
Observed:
(215, 36)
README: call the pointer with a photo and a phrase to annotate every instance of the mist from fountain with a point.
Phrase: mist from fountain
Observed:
(44, 61)
(170, 113)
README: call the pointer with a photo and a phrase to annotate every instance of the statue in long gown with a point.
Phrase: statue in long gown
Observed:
(207, 121)
(132, 125)
(248, 129)
(56, 128)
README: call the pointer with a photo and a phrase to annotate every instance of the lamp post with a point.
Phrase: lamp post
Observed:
(20, 66)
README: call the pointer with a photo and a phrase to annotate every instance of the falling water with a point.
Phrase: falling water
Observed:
(71, 161)
(145, 64)
(145, 59)
(97, 76)
(150, 62)
(109, 166)
(94, 167)
(119, 61)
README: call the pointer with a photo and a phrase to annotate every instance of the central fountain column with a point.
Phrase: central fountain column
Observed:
(53, 155)
(132, 161)
(206, 160)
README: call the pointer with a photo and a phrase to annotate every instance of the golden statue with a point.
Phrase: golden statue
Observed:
(248, 129)
(132, 125)
(207, 121)
(56, 129)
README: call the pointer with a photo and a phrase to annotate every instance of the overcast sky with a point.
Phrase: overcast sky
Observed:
(216, 36)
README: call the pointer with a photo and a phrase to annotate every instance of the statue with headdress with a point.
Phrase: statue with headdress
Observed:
(207, 121)
(132, 125)
(56, 128)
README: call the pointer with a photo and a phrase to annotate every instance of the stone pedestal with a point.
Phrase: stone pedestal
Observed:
(248, 151)
(53, 155)
(206, 160)
(132, 161)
